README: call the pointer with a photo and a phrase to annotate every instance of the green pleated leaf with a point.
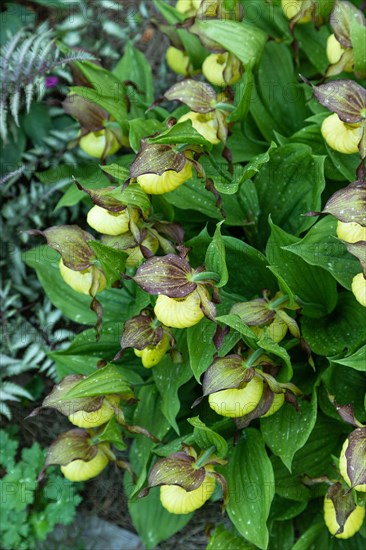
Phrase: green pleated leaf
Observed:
(112, 261)
(107, 380)
(356, 361)
(221, 539)
(182, 132)
(200, 346)
(286, 431)
(250, 481)
(215, 259)
(205, 437)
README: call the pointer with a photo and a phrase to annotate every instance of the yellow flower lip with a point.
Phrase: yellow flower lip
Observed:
(92, 419)
(152, 355)
(352, 524)
(178, 61)
(351, 232)
(81, 281)
(94, 143)
(343, 468)
(154, 184)
(359, 288)
(179, 312)
(205, 123)
(341, 137)
(214, 67)
(108, 223)
(278, 401)
(237, 402)
(80, 470)
(177, 500)
(291, 9)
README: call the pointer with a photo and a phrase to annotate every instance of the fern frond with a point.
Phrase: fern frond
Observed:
(24, 61)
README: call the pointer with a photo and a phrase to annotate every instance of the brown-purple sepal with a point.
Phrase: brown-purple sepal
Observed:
(90, 115)
(344, 97)
(156, 159)
(345, 412)
(139, 333)
(348, 204)
(341, 18)
(207, 306)
(104, 197)
(343, 502)
(254, 313)
(358, 249)
(198, 96)
(224, 373)
(69, 446)
(166, 275)
(71, 242)
(177, 469)
(356, 457)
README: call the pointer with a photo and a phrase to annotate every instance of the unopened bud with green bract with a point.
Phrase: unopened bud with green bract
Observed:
(342, 515)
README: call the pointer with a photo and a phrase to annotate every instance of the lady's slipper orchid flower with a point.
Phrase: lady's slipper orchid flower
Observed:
(205, 123)
(110, 223)
(93, 419)
(341, 515)
(359, 288)
(278, 401)
(177, 500)
(237, 402)
(335, 51)
(155, 184)
(100, 144)
(179, 312)
(179, 61)
(186, 481)
(299, 10)
(352, 460)
(222, 69)
(152, 355)
(351, 232)
(81, 470)
(82, 281)
(340, 136)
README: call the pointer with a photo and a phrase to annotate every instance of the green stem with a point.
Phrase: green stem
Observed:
(252, 359)
(205, 276)
(280, 300)
(203, 458)
(225, 106)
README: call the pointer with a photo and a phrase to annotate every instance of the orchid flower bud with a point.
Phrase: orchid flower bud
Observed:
(359, 288)
(82, 281)
(81, 470)
(179, 61)
(168, 181)
(179, 312)
(335, 50)
(152, 355)
(351, 232)
(341, 137)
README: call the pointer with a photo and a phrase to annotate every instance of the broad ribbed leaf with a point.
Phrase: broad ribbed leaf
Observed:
(107, 380)
(205, 437)
(287, 431)
(251, 486)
